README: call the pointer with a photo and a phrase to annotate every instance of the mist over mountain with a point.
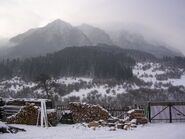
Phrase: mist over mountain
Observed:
(96, 35)
(128, 40)
(50, 38)
(58, 35)
(5, 44)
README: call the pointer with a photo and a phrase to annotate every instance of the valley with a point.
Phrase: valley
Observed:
(150, 81)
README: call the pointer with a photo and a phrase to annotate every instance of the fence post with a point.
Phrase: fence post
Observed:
(170, 112)
(149, 112)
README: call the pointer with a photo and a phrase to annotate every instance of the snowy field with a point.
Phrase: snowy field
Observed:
(149, 131)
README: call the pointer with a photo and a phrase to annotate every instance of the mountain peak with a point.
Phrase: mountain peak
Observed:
(52, 37)
(59, 23)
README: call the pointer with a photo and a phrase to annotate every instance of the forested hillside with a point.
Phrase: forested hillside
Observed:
(95, 74)
(95, 62)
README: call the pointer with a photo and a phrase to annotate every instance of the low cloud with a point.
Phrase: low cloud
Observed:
(164, 20)
(5, 43)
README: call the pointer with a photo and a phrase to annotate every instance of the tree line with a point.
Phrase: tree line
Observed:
(74, 61)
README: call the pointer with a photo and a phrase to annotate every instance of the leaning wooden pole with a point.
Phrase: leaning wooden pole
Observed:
(44, 119)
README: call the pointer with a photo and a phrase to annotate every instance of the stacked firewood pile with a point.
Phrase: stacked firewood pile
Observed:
(95, 116)
(134, 118)
(52, 118)
(29, 115)
(138, 115)
(88, 113)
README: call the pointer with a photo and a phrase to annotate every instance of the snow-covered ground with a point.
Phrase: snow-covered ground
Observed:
(101, 90)
(69, 80)
(149, 74)
(16, 84)
(83, 93)
(180, 81)
(149, 131)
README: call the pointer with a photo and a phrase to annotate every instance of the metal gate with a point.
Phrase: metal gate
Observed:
(166, 112)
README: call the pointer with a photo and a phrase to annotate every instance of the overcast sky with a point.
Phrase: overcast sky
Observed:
(162, 19)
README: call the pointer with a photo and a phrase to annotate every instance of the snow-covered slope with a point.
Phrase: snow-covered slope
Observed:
(102, 91)
(130, 40)
(77, 87)
(149, 76)
(69, 80)
(96, 35)
(15, 85)
(158, 75)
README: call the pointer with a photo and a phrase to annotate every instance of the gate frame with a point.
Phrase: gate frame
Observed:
(169, 105)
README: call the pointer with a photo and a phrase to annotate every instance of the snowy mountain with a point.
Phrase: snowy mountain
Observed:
(50, 38)
(59, 34)
(96, 35)
(129, 40)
